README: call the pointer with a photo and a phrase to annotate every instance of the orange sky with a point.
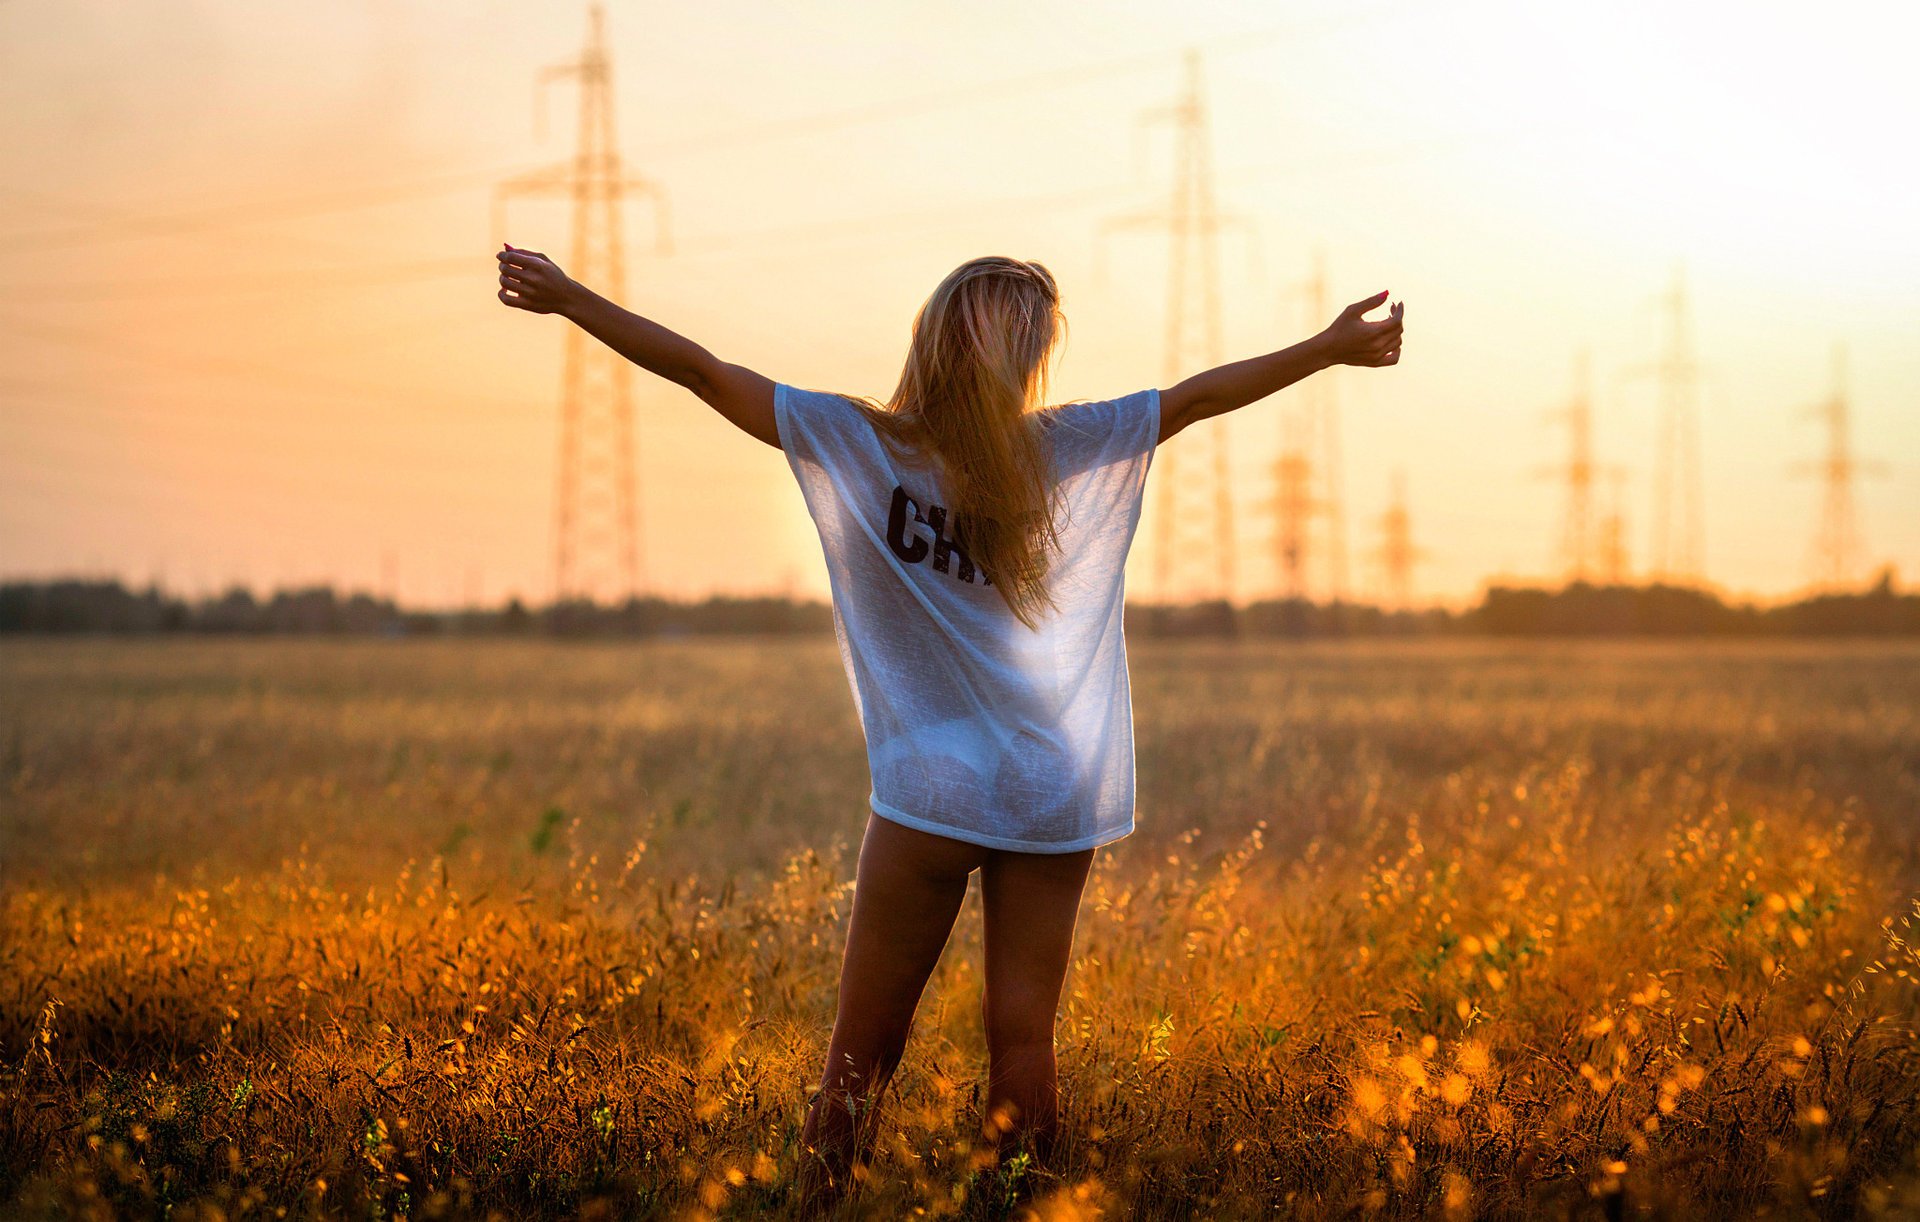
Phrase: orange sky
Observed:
(242, 343)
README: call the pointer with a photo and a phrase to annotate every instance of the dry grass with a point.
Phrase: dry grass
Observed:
(1465, 930)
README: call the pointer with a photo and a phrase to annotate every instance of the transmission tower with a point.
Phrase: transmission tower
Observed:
(1610, 542)
(1679, 530)
(1194, 544)
(1319, 431)
(1397, 554)
(1836, 543)
(1576, 546)
(1293, 503)
(596, 536)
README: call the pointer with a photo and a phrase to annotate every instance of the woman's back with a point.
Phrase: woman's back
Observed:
(978, 727)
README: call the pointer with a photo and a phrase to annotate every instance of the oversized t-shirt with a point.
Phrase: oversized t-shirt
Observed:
(977, 726)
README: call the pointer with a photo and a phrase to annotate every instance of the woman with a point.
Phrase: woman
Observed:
(975, 543)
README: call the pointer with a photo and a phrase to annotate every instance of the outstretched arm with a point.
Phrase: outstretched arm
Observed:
(531, 281)
(1349, 340)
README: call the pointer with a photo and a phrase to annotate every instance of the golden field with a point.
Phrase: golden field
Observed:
(1426, 929)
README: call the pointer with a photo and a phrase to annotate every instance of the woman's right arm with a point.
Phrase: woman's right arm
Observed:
(1349, 340)
(531, 281)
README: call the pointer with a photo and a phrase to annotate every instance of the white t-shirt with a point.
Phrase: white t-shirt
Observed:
(978, 727)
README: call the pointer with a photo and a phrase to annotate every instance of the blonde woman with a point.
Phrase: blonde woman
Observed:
(974, 540)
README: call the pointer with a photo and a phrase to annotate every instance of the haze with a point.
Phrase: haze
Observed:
(252, 335)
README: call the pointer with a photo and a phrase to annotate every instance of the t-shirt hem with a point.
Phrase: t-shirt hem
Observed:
(895, 815)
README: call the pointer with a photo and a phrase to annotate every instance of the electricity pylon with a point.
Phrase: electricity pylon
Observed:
(1678, 551)
(596, 536)
(1195, 529)
(1836, 542)
(1610, 542)
(1397, 553)
(1576, 547)
(1318, 446)
(1293, 504)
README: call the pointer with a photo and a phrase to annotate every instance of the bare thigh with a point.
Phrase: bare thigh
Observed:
(908, 889)
(1032, 901)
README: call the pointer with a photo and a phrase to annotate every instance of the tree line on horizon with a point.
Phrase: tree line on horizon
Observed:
(1579, 609)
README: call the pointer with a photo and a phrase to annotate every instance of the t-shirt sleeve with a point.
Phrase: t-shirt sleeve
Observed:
(1123, 432)
(808, 420)
(813, 437)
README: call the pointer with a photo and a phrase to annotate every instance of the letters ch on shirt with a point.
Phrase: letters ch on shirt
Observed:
(911, 548)
(970, 730)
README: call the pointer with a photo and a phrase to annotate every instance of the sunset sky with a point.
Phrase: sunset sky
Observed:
(252, 334)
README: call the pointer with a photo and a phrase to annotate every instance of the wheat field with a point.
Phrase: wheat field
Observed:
(368, 929)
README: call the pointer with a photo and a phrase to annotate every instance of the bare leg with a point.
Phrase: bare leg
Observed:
(1032, 902)
(907, 890)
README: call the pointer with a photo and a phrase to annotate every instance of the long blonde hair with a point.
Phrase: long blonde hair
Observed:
(977, 365)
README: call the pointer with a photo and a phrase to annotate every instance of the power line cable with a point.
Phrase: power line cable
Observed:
(113, 215)
(242, 213)
(266, 281)
(334, 480)
(451, 267)
(781, 129)
(253, 371)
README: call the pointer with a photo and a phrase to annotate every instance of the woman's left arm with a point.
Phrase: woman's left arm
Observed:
(531, 281)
